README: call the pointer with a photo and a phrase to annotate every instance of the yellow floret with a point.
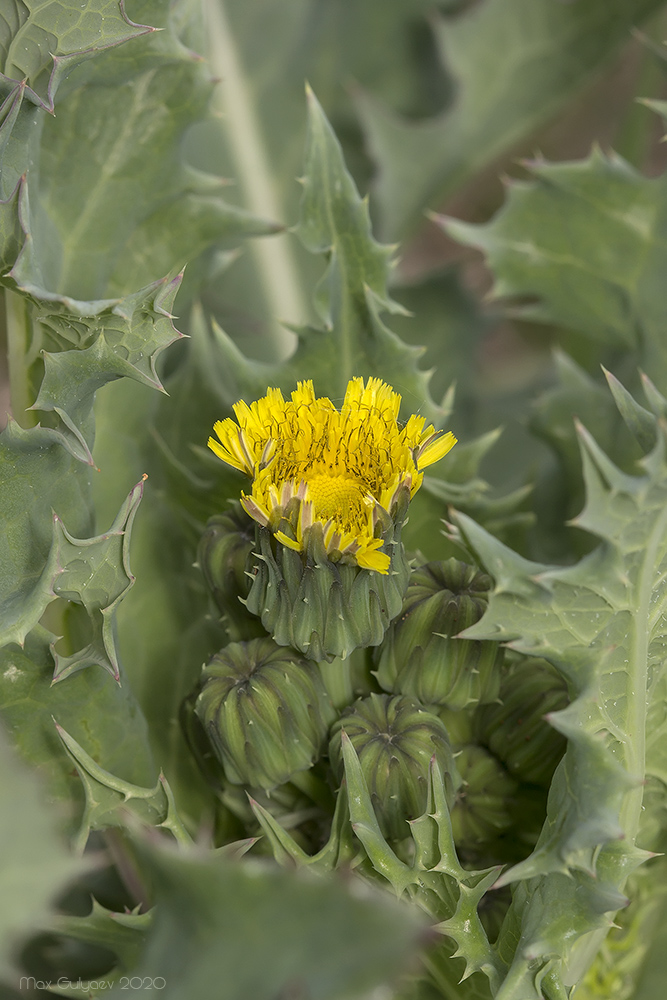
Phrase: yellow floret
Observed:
(344, 467)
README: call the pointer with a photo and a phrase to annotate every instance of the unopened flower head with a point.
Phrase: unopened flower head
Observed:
(344, 470)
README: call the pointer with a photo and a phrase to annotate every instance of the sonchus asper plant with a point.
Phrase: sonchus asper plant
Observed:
(336, 651)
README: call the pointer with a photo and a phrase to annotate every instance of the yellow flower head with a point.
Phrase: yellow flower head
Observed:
(342, 469)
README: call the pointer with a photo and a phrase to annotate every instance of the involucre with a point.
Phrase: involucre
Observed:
(265, 711)
(422, 655)
(395, 739)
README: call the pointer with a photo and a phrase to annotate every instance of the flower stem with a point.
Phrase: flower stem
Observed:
(274, 259)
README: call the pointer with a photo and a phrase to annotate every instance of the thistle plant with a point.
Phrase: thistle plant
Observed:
(314, 679)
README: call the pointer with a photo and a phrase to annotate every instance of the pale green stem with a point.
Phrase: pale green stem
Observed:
(275, 264)
(337, 677)
(635, 751)
(18, 344)
(637, 692)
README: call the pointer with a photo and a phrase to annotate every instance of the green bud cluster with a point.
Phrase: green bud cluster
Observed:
(515, 728)
(422, 656)
(265, 711)
(395, 739)
(481, 810)
(224, 553)
(321, 607)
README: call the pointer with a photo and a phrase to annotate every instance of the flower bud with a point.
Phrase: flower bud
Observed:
(326, 608)
(422, 656)
(395, 739)
(515, 729)
(224, 553)
(265, 711)
(482, 807)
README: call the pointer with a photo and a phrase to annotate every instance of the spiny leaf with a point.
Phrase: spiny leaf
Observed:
(365, 824)
(101, 715)
(587, 240)
(436, 879)
(38, 473)
(127, 340)
(560, 491)
(338, 850)
(133, 210)
(465, 929)
(639, 421)
(41, 42)
(93, 572)
(110, 800)
(166, 630)
(124, 934)
(353, 292)
(549, 50)
(601, 623)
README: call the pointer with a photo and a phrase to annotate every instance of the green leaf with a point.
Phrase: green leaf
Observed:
(123, 933)
(111, 801)
(34, 865)
(41, 41)
(262, 54)
(352, 294)
(239, 930)
(338, 851)
(133, 210)
(436, 878)
(639, 421)
(127, 341)
(601, 623)
(549, 50)
(366, 826)
(166, 630)
(39, 474)
(93, 572)
(559, 494)
(585, 240)
(102, 715)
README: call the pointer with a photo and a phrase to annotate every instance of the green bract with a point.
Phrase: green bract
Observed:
(322, 608)
(422, 656)
(483, 804)
(395, 739)
(265, 711)
(516, 728)
(224, 554)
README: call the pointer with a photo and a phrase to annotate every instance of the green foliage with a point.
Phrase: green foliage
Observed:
(35, 861)
(549, 50)
(584, 239)
(117, 227)
(280, 930)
